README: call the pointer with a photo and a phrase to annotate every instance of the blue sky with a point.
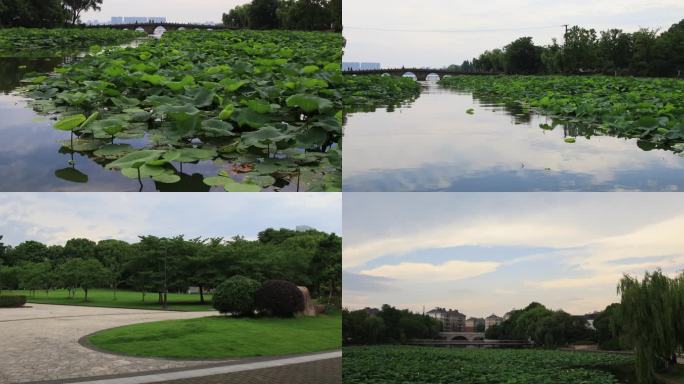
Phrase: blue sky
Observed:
(481, 25)
(491, 252)
(173, 10)
(54, 218)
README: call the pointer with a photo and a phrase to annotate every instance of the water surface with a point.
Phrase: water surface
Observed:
(434, 145)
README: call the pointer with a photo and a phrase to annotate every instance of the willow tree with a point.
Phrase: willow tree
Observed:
(652, 311)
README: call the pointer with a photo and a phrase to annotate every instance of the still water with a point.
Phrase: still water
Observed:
(31, 159)
(434, 145)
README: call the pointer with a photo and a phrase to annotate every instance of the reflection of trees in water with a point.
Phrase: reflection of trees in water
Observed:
(13, 69)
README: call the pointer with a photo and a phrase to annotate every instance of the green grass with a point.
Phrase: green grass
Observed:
(223, 337)
(125, 299)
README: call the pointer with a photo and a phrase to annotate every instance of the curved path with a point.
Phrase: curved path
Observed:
(40, 343)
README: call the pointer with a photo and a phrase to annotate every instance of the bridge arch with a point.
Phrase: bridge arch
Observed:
(140, 29)
(411, 75)
(385, 74)
(462, 338)
(432, 77)
(159, 30)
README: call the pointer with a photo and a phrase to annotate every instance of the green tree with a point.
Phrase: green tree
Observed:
(335, 9)
(262, 14)
(84, 273)
(651, 323)
(113, 254)
(644, 52)
(325, 270)
(522, 57)
(609, 328)
(615, 50)
(80, 249)
(9, 278)
(669, 51)
(29, 251)
(76, 7)
(580, 51)
(238, 17)
(35, 276)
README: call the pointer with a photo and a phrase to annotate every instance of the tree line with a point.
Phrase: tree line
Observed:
(388, 325)
(159, 264)
(305, 15)
(645, 52)
(44, 13)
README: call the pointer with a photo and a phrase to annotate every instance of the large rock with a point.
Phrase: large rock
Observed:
(309, 309)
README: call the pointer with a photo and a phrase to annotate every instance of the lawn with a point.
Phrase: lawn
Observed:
(223, 337)
(125, 299)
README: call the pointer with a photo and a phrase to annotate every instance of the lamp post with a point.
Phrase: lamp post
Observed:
(166, 289)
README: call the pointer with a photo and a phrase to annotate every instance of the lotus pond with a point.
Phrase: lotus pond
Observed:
(423, 365)
(193, 111)
(499, 133)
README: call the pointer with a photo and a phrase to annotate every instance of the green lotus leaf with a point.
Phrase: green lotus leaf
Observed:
(70, 123)
(146, 170)
(570, 140)
(232, 85)
(81, 145)
(136, 159)
(189, 155)
(262, 181)
(113, 151)
(182, 112)
(247, 117)
(234, 186)
(310, 103)
(216, 181)
(309, 69)
(259, 106)
(217, 128)
(154, 79)
(227, 112)
(167, 178)
(202, 97)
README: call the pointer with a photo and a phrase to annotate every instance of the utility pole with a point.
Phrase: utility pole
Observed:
(566, 30)
(166, 289)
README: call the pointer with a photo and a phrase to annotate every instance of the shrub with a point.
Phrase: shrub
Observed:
(236, 296)
(12, 301)
(279, 298)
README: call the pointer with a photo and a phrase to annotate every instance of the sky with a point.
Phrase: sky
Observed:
(490, 253)
(413, 31)
(174, 10)
(54, 218)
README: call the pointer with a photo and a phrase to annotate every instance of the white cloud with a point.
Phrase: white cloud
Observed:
(449, 271)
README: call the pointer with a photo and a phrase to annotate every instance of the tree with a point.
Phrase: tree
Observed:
(238, 17)
(522, 57)
(309, 15)
(326, 269)
(9, 278)
(615, 50)
(76, 7)
(644, 52)
(35, 276)
(609, 329)
(83, 273)
(669, 52)
(652, 321)
(262, 14)
(236, 296)
(335, 9)
(29, 251)
(31, 13)
(580, 51)
(113, 255)
(80, 249)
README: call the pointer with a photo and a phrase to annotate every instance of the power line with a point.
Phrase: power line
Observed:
(450, 30)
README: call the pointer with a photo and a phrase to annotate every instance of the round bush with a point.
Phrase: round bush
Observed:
(279, 298)
(12, 301)
(236, 296)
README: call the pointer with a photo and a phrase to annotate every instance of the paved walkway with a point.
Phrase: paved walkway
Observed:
(41, 343)
(320, 372)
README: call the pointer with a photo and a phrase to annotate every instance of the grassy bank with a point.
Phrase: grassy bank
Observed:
(222, 337)
(124, 299)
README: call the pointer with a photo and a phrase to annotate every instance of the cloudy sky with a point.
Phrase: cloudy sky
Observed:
(437, 33)
(489, 253)
(173, 10)
(54, 218)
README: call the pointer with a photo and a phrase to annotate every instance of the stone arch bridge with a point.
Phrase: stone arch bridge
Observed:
(468, 336)
(420, 73)
(150, 27)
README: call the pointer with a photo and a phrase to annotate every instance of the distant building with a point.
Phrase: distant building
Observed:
(452, 320)
(352, 66)
(304, 228)
(508, 315)
(590, 317)
(137, 20)
(472, 323)
(371, 312)
(492, 320)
